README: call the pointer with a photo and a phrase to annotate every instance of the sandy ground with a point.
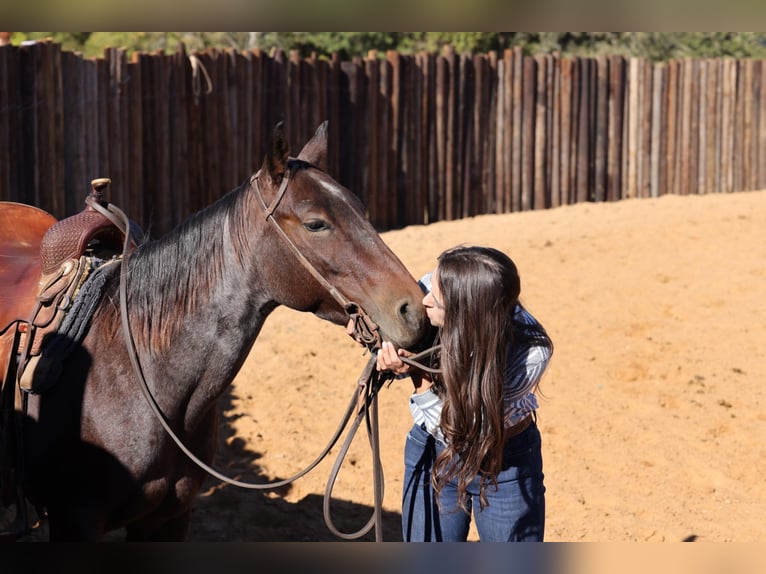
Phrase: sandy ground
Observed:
(653, 417)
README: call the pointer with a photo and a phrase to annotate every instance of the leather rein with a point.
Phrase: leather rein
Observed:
(363, 400)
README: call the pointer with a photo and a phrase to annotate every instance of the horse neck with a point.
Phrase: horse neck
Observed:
(195, 299)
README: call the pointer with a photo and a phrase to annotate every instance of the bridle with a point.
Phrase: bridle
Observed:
(363, 400)
(365, 330)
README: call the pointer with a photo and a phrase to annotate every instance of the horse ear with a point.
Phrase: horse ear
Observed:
(275, 162)
(315, 151)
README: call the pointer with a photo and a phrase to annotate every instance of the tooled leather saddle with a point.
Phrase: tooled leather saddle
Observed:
(43, 265)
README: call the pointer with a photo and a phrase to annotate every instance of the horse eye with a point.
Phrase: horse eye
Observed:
(315, 225)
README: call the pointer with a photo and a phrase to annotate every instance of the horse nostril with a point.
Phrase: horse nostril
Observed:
(409, 314)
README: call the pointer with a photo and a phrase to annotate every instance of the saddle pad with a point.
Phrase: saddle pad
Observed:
(22, 228)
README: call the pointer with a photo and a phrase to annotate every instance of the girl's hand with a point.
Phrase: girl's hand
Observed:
(389, 359)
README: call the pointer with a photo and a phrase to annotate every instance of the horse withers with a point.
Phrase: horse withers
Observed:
(94, 455)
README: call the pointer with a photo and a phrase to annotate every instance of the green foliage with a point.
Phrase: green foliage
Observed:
(655, 46)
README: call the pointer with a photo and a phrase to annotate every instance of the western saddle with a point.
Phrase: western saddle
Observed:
(43, 263)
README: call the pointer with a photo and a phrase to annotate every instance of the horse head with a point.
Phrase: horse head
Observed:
(322, 223)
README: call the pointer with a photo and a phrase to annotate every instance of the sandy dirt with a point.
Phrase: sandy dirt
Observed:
(652, 414)
(652, 418)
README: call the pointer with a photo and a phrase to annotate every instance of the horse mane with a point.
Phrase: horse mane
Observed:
(173, 276)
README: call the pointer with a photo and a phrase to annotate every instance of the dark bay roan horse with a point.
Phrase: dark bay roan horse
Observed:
(95, 456)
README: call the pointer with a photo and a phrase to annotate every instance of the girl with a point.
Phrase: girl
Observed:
(475, 446)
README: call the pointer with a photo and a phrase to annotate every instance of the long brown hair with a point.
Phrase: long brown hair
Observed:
(480, 288)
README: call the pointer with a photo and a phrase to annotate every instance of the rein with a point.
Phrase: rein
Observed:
(363, 400)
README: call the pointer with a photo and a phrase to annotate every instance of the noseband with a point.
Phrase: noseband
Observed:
(366, 331)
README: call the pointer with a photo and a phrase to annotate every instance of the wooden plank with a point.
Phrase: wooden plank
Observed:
(490, 143)
(135, 132)
(233, 172)
(43, 133)
(583, 132)
(656, 130)
(217, 142)
(726, 149)
(245, 104)
(450, 133)
(317, 94)
(57, 145)
(750, 119)
(644, 173)
(433, 127)
(91, 123)
(171, 216)
(703, 71)
(348, 94)
(384, 116)
(27, 126)
(692, 145)
(306, 125)
(423, 121)
(179, 79)
(528, 133)
(416, 141)
(753, 89)
(476, 104)
(714, 127)
(279, 105)
(555, 131)
(540, 160)
(332, 87)
(372, 73)
(506, 154)
(662, 187)
(150, 160)
(518, 75)
(574, 139)
(258, 108)
(30, 185)
(672, 128)
(293, 112)
(682, 134)
(738, 168)
(633, 126)
(461, 151)
(115, 59)
(100, 109)
(501, 134)
(395, 186)
(566, 131)
(601, 154)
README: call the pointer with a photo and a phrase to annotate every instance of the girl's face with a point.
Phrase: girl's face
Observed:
(433, 302)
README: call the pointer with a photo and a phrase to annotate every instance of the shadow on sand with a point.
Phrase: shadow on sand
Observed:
(232, 514)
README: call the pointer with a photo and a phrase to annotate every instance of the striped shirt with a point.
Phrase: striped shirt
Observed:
(524, 368)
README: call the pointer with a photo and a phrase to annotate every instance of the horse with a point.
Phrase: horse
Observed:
(95, 456)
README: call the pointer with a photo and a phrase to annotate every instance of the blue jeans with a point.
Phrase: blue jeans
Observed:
(516, 510)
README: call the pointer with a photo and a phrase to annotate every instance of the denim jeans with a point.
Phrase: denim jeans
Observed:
(516, 510)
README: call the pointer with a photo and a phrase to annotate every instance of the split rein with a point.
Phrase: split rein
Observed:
(363, 400)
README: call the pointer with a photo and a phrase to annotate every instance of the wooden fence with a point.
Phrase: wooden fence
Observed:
(419, 138)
